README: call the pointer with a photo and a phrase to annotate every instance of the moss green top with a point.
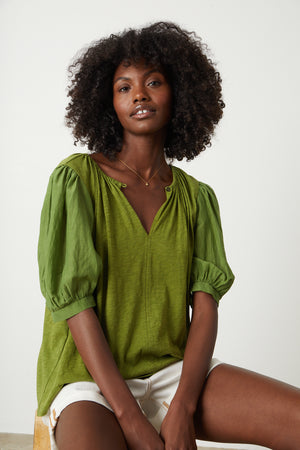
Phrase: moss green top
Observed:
(94, 252)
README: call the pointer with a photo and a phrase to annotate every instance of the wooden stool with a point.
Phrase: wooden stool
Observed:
(41, 438)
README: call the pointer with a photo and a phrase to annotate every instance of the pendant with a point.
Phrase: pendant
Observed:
(146, 184)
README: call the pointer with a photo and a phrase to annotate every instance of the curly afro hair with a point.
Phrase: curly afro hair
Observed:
(196, 89)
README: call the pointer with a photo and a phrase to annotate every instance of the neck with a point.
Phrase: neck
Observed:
(143, 153)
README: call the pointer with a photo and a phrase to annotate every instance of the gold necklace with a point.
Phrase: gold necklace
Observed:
(138, 175)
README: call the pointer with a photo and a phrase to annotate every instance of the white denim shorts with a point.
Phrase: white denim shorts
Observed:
(153, 394)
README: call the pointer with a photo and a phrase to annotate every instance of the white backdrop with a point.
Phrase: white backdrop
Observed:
(253, 167)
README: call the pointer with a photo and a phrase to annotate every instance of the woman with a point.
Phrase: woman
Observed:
(127, 243)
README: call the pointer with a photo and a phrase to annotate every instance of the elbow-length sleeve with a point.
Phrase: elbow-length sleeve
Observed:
(69, 265)
(210, 270)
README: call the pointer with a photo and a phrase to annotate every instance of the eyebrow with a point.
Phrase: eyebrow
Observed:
(144, 75)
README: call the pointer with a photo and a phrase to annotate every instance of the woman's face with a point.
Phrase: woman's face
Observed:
(142, 98)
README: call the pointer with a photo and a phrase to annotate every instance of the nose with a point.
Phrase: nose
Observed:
(140, 95)
(139, 98)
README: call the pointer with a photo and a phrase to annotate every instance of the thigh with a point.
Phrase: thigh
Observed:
(237, 405)
(86, 425)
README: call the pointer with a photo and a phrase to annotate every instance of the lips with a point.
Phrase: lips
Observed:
(142, 111)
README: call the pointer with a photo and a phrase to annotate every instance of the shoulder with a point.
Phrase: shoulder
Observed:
(76, 162)
(196, 187)
(198, 196)
(80, 165)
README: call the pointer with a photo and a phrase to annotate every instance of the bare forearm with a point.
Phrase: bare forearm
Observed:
(96, 354)
(199, 350)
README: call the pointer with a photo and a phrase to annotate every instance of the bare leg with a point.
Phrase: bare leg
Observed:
(87, 425)
(237, 405)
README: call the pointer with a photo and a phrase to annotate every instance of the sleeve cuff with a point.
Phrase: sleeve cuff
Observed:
(73, 308)
(206, 287)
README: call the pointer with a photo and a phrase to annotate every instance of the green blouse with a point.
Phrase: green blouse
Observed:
(94, 252)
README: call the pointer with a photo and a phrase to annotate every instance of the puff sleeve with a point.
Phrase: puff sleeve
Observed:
(69, 266)
(210, 271)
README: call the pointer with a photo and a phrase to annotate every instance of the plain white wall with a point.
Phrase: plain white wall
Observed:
(253, 167)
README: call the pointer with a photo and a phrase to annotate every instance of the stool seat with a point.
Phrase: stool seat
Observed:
(41, 438)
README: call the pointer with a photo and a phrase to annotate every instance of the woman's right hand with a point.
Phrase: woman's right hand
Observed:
(140, 434)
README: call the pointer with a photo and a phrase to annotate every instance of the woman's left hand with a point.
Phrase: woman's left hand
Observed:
(177, 429)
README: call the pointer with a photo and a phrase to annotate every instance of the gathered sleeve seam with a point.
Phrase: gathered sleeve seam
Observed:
(206, 287)
(73, 307)
(73, 171)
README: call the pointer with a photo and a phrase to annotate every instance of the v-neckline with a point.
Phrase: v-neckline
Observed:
(157, 214)
(168, 189)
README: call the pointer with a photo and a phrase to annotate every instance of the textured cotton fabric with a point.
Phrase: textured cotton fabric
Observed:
(94, 252)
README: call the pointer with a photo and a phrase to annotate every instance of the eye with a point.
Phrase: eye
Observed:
(154, 83)
(123, 89)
